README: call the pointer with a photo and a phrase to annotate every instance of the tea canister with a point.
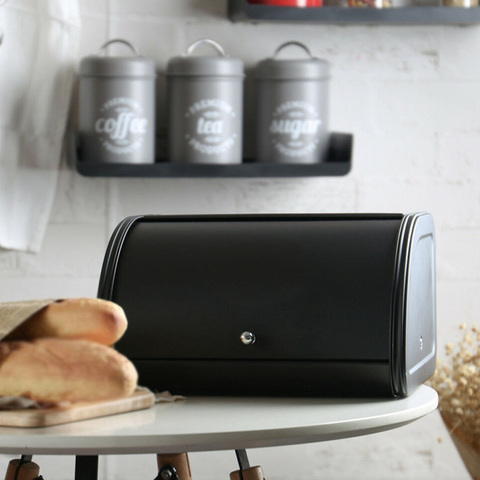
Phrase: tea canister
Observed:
(289, 3)
(292, 108)
(205, 105)
(117, 107)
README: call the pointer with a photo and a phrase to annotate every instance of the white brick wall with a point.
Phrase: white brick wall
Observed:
(410, 95)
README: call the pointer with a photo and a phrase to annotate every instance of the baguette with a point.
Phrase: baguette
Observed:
(60, 370)
(93, 319)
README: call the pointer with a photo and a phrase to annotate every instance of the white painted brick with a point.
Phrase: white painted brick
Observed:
(350, 108)
(382, 54)
(456, 55)
(457, 302)
(459, 154)
(155, 37)
(403, 106)
(183, 10)
(400, 157)
(94, 27)
(68, 251)
(295, 195)
(169, 196)
(79, 199)
(363, 53)
(452, 205)
(31, 287)
(93, 8)
(232, 196)
(8, 262)
(458, 254)
(255, 42)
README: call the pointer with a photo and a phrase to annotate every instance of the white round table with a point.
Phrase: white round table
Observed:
(220, 423)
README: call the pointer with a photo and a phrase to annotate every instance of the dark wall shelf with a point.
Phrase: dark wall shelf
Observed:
(240, 10)
(337, 163)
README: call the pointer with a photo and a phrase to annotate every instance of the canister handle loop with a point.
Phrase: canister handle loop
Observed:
(119, 40)
(210, 42)
(298, 44)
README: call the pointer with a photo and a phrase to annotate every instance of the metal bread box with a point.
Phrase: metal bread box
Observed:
(286, 305)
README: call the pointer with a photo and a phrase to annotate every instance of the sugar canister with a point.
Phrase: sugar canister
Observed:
(205, 106)
(117, 107)
(292, 108)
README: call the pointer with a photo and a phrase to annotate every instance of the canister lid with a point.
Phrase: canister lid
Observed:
(117, 66)
(130, 66)
(310, 68)
(211, 65)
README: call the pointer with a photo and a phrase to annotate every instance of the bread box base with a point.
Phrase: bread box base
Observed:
(282, 378)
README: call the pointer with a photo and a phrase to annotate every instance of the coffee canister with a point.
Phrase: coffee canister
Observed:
(292, 108)
(205, 104)
(117, 107)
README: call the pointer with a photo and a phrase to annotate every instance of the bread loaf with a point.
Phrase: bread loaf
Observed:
(91, 319)
(58, 370)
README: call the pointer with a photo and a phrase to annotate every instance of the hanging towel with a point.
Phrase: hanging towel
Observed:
(37, 59)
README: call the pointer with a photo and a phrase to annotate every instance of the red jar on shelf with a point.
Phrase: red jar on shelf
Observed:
(288, 3)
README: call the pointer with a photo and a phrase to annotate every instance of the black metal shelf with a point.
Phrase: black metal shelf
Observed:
(337, 163)
(240, 10)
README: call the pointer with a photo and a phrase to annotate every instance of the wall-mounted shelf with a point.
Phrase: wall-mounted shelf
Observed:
(337, 163)
(240, 10)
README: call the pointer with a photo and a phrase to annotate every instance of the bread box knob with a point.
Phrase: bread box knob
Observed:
(247, 338)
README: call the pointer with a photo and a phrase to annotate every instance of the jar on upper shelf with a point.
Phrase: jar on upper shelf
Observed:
(460, 3)
(370, 3)
(288, 3)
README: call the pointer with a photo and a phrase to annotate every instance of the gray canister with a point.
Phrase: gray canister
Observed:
(117, 108)
(205, 105)
(292, 108)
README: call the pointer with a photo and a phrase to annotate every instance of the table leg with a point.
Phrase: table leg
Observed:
(246, 472)
(86, 467)
(252, 473)
(22, 469)
(180, 464)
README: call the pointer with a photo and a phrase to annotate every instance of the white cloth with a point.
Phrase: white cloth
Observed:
(37, 57)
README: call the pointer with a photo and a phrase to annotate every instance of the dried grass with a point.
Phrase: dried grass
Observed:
(457, 382)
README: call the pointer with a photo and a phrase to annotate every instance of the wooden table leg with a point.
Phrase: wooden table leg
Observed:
(22, 469)
(252, 473)
(246, 472)
(180, 464)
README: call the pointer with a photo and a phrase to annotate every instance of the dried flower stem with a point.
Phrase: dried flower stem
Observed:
(457, 382)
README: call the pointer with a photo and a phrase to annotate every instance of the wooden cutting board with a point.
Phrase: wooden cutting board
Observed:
(45, 417)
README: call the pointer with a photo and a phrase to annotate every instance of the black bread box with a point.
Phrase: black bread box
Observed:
(286, 305)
